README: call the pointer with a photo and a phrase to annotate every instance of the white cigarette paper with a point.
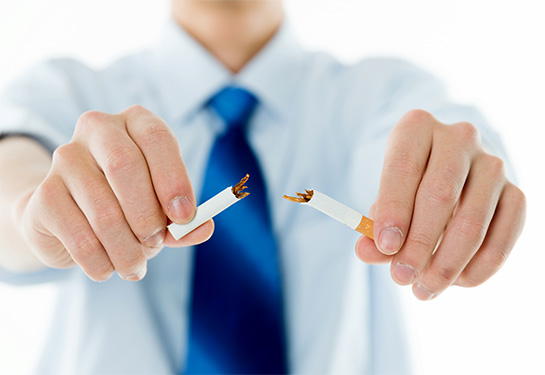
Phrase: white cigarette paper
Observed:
(335, 210)
(209, 209)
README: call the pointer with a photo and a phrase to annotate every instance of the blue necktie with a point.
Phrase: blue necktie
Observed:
(236, 323)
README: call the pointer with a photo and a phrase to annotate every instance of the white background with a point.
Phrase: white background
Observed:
(490, 53)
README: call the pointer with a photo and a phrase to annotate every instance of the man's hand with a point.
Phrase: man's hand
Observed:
(445, 213)
(109, 195)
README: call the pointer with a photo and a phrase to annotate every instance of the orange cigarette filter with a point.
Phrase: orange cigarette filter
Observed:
(365, 227)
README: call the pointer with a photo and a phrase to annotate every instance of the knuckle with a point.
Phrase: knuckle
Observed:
(416, 117)
(108, 219)
(471, 226)
(84, 247)
(155, 134)
(520, 197)
(65, 154)
(394, 205)
(494, 165)
(147, 222)
(134, 258)
(136, 109)
(90, 119)
(517, 198)
(444, 276)
(466, 131)
(421, 240)
(489, 262)
(405, 165)
(495, 258)
(441, 191)
(520, 202)
(91, 116)
(47, 192)
(121, 159)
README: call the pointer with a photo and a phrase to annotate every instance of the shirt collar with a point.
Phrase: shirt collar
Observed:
(188, 74)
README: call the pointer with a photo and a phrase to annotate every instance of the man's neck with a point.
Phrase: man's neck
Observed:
(232, 30)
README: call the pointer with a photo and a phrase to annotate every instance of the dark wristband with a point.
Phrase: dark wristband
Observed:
(44, 142)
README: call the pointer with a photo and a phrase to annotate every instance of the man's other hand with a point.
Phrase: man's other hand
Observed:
(445, 214)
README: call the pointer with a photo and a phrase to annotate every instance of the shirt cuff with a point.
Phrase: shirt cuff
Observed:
(43, 141)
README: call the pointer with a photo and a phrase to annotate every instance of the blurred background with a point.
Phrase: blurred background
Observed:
(490, 54)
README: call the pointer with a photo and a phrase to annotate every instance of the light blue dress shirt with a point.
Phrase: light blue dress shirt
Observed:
(320, 125)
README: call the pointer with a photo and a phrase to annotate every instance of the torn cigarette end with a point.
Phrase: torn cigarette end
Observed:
(301, 197)
(211, 208)
(335, 210)
(237, 189)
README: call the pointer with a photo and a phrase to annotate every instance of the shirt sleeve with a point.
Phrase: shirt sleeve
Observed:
(44, 105)
(401, 87)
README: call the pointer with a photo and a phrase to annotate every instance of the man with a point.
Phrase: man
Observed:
(445, 213)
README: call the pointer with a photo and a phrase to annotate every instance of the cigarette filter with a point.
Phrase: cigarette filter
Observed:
(336, 210)
(211, 208)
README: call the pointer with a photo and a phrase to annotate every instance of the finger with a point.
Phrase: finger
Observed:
(81, 243)
(62, 234)
(467, 229)
(366, 250)
(195, 237)
(42, 208)
(436, 199)
(162, 153)
(406, 157)
(93, 195)
(128, 175)
(504, 230)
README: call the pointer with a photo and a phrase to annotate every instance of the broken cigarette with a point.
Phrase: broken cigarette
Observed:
(211, 208)
(335, 210)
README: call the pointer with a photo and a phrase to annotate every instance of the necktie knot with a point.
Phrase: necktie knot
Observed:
(234, 105)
